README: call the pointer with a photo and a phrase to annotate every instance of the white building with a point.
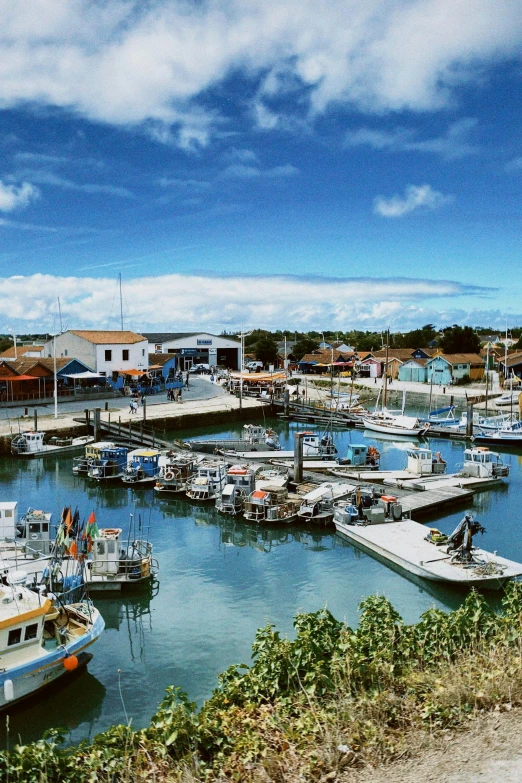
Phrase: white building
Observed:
(196, 347)
(105, 352)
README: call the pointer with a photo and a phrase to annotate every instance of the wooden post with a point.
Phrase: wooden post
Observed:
(130, 431)
(35, 426)
(144, 409)
(286, 401)
(469, 421)
(119, 427)
(298, 457)
(106, 406)
(97, 412)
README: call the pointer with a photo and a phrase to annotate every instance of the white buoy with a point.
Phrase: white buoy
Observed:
(8, 690)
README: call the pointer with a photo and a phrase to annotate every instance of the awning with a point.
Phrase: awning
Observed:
(155, 366)
(78, 376)
(25, 378)
(132, 372)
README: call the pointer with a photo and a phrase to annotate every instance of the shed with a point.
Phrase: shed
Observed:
(414, 370)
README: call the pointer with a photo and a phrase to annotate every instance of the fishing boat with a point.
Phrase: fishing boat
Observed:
(431, 555)
(174, 476)
(31, 444)
(480, 462)
(315, 447)
(270, 505)
(318, 505)
(116, 563)
(253, 438)
(208, 482)
(240, 483)
(40, 641)
(362, 457)
(92, 452)
(510, 434)
(142, 467)
(110, 465)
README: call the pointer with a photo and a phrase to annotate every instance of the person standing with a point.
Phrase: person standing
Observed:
(187, 379)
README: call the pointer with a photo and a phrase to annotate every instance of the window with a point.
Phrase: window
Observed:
(108, 356)
(66, 353)
(31, 632)
(34, 527)
(8, 513)
(143, 351)
(15, 637)
(125, 355)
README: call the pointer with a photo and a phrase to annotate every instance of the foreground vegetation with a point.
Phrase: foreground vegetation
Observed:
(308, 708)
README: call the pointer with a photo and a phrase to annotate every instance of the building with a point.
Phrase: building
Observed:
(513, 366)
(450, 368)
(33, 379)
(105, 352)
(196, 348)
(23, 351)
(414, 370)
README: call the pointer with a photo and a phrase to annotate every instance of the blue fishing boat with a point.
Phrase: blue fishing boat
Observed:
(359, 455)
(110, 464)
(440, 420)
(142, 467)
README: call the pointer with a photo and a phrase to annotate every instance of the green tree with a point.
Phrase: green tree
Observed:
(266, 349)
(460, 339)
(304, 345)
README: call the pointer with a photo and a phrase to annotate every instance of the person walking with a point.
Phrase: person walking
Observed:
(187, 380)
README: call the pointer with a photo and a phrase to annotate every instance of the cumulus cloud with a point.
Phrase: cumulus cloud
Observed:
(241, 171)
(16, 197)
(129, 62)
(450, 145)
(416, 197)
(204, 302)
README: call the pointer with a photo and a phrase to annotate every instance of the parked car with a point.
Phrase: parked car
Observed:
(200, 369)
(254, 366)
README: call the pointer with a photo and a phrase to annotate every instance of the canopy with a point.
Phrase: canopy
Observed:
(133, 372)
(24, 378)
(80, 375)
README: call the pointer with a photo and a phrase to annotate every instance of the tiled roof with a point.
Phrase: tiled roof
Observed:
(108, 338)
(24, 366)
(21, 350)
(461, 358)
(513, 359)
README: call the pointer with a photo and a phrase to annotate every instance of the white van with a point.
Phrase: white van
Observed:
(254, 366)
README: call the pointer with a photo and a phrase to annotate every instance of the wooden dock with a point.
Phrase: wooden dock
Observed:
(418, 503)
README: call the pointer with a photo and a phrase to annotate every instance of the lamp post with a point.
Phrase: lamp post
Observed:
(243, 335)
(55, 379)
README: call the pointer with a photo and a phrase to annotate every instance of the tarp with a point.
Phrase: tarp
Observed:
(78, 376)
(24, 378)
(132, 372)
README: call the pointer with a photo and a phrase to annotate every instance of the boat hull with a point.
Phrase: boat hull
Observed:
(392, 429)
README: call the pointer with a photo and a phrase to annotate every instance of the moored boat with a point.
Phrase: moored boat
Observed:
(142, 467)
(92, 452)
(41, 642)
(110, 465)
(271, 504)
(254, 438)
(208, 481)
(31, 444)
(240, 483)
(175, 474)
(318, 505)
(395, 424)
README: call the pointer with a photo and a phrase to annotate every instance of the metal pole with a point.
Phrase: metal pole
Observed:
(241, 375)
(97, 412)
(469, 421)
(55, 380)
(87, 419)
(298, 457)
(35, 427)
(144, 409)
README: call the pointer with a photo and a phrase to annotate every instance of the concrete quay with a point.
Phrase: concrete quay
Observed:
(163, 416)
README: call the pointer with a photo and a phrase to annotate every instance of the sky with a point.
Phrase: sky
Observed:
(249, 164)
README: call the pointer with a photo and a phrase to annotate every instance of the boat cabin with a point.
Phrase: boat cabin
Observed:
(106, 552)
(423, 462)
(22, 617)
(92, 452)
(242, 478)
(208, 482)
(110, 463)
(360, 455)
(142, 465)
(314, 444)
(480, 462)
(27, 442)
(8, 520)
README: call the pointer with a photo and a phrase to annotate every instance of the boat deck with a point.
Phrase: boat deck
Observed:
(404, 544)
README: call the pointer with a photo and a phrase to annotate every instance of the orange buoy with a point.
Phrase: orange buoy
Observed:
(70, 663)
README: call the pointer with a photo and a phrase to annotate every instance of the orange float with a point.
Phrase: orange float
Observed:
(70, 663)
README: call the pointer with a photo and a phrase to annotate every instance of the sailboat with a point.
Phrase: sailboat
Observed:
(393, 422)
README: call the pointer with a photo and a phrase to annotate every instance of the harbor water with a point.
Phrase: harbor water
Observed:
(219, 581)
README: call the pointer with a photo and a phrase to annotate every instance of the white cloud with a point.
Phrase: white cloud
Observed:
(200, 302)
(241, 171)
(416, 197)
(450, 145)
(128, 63)
(13, 197)
(42, 177)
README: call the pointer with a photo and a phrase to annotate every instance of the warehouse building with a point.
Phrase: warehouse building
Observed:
(196, 348)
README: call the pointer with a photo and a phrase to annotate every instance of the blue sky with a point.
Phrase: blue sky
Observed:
(248, 164)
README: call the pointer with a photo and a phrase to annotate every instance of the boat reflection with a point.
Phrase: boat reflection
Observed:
(71, 702)
(130, 614)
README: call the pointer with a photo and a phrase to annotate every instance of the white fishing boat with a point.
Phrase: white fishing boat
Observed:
(240, 483)
(40, 642)
(315, 447)
(175, 474)
(116, 563)
(272, 504)
(318, 505)
(407, 545)
(480, 462)
(31, 444)
(253, 438)
(208, 482)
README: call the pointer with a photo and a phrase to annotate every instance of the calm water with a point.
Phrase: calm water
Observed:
(219, 581)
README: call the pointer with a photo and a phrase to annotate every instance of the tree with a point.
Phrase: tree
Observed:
(460, 339)
(304, 345)
(266, 349)
(418, 338)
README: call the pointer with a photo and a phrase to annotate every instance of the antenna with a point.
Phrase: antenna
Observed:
(60, 314)
(121, 304)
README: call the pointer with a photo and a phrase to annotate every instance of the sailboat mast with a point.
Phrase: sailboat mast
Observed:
(385, 390)
(121, 303)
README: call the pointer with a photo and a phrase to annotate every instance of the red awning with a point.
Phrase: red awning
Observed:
(24, 378)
